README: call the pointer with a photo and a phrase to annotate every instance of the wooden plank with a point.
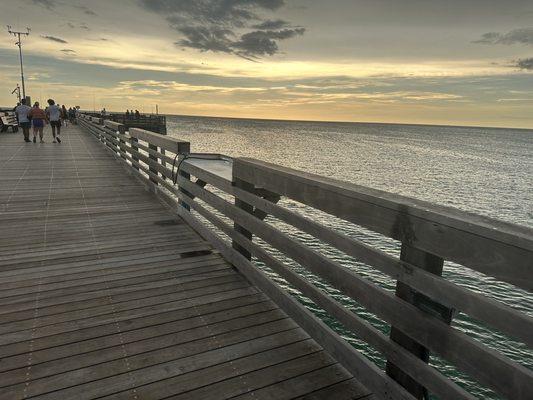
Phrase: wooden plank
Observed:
(45, 347)
(168, 349)
(283, 372)
(185, 381)
(106, 349)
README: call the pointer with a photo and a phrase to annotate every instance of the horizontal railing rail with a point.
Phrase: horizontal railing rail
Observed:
(419, 313)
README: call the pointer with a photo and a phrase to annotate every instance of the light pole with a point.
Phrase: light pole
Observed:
(19, 44)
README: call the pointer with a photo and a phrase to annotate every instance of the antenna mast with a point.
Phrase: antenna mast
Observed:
(17, 91)
(19, 44)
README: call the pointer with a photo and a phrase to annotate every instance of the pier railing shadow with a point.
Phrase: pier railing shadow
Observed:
(236, 196)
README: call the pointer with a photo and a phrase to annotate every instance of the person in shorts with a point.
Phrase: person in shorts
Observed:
(22, 111)
(38, 119)
(53, 113)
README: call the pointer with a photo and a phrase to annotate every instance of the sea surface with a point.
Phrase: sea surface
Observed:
(481, 170)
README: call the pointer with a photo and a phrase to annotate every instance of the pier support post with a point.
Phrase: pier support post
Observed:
(249, 209)
(433, 264)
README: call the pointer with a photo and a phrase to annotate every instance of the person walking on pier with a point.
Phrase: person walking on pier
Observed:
(38, 119)
(64, 115)
(71, 115)
(22, 111)
(53, 113)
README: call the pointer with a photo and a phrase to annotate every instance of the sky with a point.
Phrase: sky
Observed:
(450, 62)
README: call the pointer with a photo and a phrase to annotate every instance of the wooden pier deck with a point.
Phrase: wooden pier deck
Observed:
(106, 293)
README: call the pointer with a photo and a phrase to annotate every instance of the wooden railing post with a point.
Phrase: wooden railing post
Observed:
(434, 265)
(184, 149)
(154, 159)
(249, 209)
(121, 141)
(134, 140)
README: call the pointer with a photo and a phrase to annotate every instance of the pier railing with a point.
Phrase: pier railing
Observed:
(421, 310)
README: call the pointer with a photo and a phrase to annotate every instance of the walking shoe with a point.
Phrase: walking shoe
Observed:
(54, 141)
(34, 139)
(58, 140)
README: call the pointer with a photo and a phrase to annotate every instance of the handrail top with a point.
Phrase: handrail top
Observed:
(112, 124)
(516, 235)
(165, 142)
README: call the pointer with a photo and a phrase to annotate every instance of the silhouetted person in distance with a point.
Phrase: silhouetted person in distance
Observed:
(72, 115)
(127, 114)
(22, 111)
(103, 113)
(137, 114)
(64, 115)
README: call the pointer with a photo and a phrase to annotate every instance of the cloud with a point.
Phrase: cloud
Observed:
(271, 24)
(525, 63)
(226, 26)
(53, 39)
(49, 4)
(68, 51)
(227, 12)
(516, 36)
(260, 43)
(87, 10)
(206, 38)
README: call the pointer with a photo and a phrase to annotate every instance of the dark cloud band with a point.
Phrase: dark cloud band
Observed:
(54, 39)
(516, 36)
(226, 26)
(525, 64)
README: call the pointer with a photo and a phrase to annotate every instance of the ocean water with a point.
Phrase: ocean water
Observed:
(481, 170)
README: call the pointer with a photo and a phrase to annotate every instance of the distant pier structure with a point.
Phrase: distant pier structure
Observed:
(150, 122)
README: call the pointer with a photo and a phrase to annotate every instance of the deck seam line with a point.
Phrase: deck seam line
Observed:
(38, 295)
(110, 298)
(6, 204)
